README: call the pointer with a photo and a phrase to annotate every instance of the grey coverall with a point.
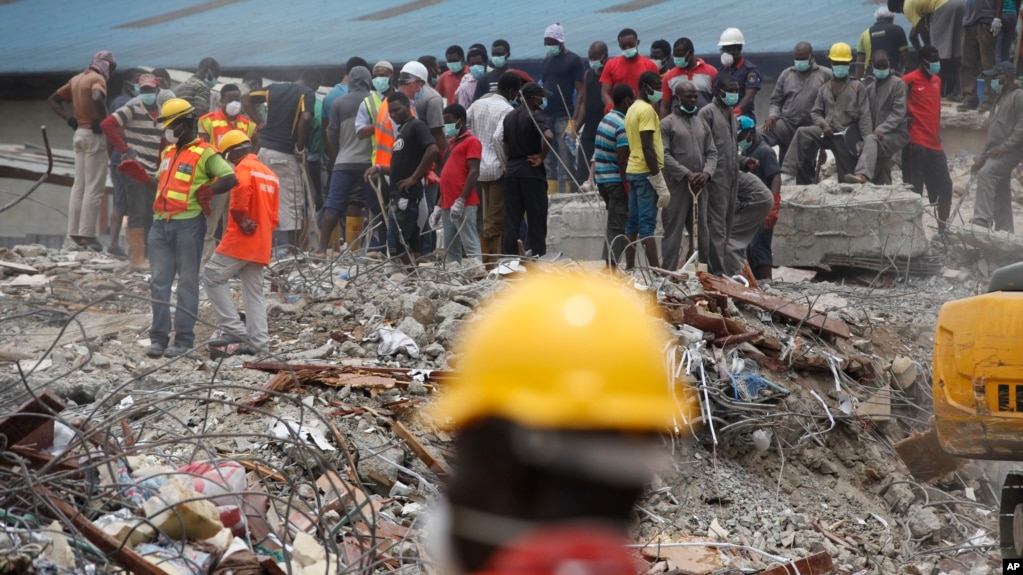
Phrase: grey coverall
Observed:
(888, 111)
(791, 102)
(1005, 128)
(688, 147)
(720, 193)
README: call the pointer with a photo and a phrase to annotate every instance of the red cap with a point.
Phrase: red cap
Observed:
(148, 80)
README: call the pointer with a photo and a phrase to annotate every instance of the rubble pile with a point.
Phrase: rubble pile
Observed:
(317, 458)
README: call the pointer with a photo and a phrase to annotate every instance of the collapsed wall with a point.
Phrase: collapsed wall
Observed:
(829, 224)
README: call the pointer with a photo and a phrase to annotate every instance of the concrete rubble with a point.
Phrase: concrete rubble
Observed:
(808, 386)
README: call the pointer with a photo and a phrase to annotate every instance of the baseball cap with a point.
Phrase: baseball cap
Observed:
(1004, 67)
(531, 89)
(148, 81)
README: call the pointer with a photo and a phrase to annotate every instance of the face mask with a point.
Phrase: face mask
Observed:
(630, 52)
(730, 98)
(233, 108)
(996, 85)
(655, 96)
(450, 130)
(170, 136)
(934, 68)
(727, 60)
(683, 109)
(882, 74)
(553, 50)
(477, 71)
(381, 83)
(147, 99)
(543, 103)
(840, 70)
(211, 81)
(433, 81)
(499, 61)
(420, 93)
(681, 62)
(595, 65)
(660, 63)
(744, 145)
(135, 89)
(802, 65)
(455, 67)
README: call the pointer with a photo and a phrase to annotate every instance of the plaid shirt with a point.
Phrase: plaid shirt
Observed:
(485, 117)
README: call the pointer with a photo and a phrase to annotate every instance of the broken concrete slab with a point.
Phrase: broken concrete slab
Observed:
(824, 223)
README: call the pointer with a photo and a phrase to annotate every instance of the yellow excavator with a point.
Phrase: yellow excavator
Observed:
(978, 388)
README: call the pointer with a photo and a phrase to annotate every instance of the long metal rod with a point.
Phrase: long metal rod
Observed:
(39, 182)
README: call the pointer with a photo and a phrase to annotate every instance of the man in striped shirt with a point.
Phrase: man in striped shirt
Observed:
(610, 158)
(133, 131)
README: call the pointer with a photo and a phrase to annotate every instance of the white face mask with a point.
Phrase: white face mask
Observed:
(727, 59)
(169, 135)
(233, 108)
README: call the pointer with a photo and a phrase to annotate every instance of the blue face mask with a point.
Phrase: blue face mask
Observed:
(802, 65)
(630, 52)
(681, 62)
(730, 98)
(595, 65)
(477, 71)
(934, 68)
(211, 81)
(996, 85)
(543, 103)
(135, 90)
(450, 130)
(147, 99)
(655, 96)
(840, 70)
(744, 145)
(420, 93)
(455, 67)
(882, 74)
(381, 83)
(553, 50)
(498, 61)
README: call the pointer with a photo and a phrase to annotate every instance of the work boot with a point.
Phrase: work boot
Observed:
(92, 244)
(969, 103)
(155, 350)
(114, 249)
(552, 187)
(985, 107)
(176, 351)
(137, 249)
(854, 179)
(224, 339)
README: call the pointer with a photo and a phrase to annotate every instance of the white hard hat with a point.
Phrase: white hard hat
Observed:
(883, 12)
(416, 69)
(731, 36)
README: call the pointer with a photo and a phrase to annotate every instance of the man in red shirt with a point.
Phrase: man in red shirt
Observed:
(244, 249)
(458, 199)
(452, 77)
(688, 68)
(625, 69)
(926, 163)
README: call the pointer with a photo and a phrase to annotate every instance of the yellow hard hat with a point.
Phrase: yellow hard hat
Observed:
(840, 52)
(173, 109)
(563, 351)
(231, 139)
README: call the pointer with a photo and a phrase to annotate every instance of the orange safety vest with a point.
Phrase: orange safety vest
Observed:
(177, 173)
(217, 123)
(383, 135)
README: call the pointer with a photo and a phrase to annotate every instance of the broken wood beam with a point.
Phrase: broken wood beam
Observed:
(817, 564)
(795, 312)
(738, 338)
(435, 465)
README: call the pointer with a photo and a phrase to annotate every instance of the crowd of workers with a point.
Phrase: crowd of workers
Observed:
(213, 177)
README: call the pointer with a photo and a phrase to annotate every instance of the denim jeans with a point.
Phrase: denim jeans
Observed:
(175, 248)
(556, 171)
(642, 206)
(460, 236)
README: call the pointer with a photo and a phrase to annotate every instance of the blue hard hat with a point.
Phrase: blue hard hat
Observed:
(746, 123)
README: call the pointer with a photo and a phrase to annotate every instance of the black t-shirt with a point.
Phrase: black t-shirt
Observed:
(285, 104)
(888, 37)
(561, 71)
(524, 140)
(768, 167)
(410, 143)
(594, 112)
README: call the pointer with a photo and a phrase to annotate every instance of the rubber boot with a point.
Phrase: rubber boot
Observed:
(137, 249)
(552, 187)
(353, 229)
(764, 272)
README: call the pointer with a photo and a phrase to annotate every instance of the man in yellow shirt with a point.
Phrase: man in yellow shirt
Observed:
(647, 190)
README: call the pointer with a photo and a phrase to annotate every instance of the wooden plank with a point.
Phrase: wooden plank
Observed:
(786, 309)
(817, 564)
(923, 455)
(30, 416)
(435, 465)
(124, 555)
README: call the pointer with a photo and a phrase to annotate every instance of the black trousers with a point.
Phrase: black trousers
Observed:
(925, 167)
(528, 197)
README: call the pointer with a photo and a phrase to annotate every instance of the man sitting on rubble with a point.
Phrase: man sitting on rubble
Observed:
(887, 96)
(841, 105)
(553, 454)
(244, 250)
(1003, 151)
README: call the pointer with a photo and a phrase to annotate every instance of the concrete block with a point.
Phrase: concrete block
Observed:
(841, 221)
(575, 225)
(180, 513)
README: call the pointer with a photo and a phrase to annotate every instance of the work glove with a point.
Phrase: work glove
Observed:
(457, 209)
(772, 216)
(435, 217)
(95, 127)
(663, 195)
(247, 225)
(203, 195)
(996, 26)
(73, 122)
(129, 154)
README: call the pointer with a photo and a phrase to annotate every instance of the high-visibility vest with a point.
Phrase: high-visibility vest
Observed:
(177, 175)
(217, 123)
(383, 135)
(372, 103)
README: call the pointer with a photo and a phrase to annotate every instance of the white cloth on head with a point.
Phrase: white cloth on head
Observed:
(883, 12)
(384, 64)
(556, 32)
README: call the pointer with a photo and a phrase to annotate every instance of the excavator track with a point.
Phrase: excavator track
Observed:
(1010, 516)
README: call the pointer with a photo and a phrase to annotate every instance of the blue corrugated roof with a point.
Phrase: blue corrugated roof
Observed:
(55, 36)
